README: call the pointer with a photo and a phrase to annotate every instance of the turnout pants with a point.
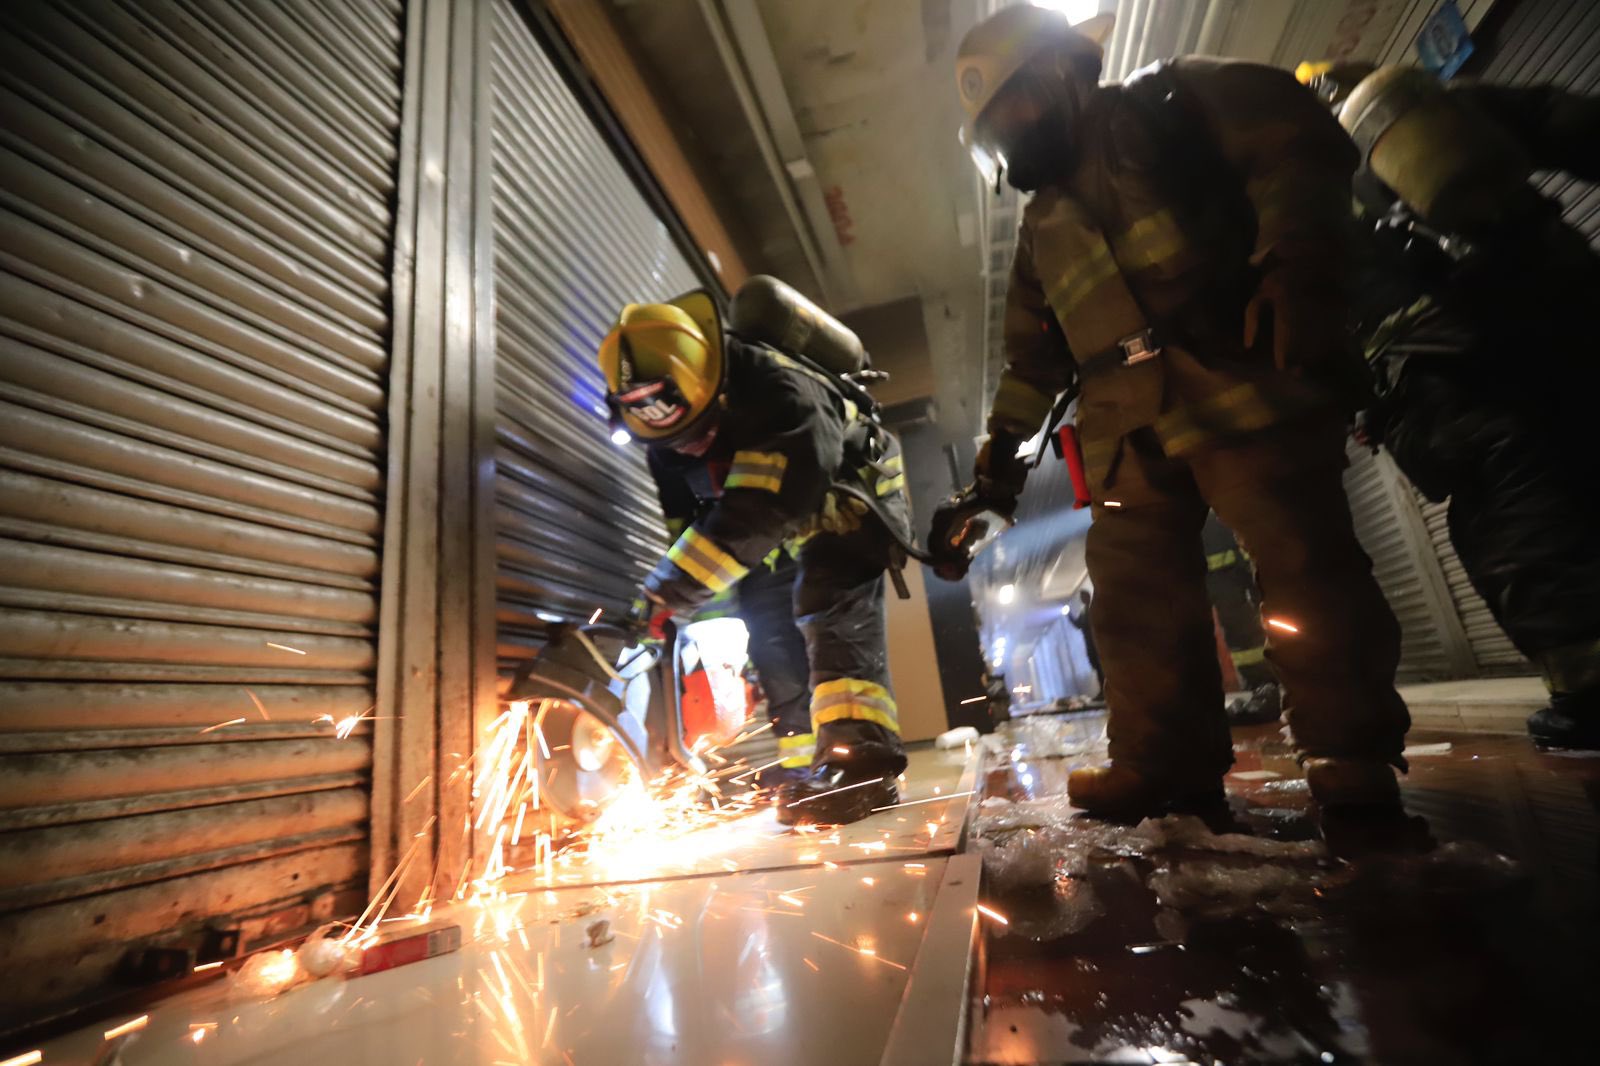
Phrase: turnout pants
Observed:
(839, 606)
(778, 650)
(1231, 584)
(1281, 492)
(1524, 513)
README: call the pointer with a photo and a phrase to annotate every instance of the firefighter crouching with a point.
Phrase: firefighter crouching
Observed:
(1478, 310)
(779, 454)
(1181, 260)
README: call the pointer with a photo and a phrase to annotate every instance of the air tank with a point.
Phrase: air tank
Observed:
(770, 312)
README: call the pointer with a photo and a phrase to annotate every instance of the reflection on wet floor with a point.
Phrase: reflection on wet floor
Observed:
(1470, 936)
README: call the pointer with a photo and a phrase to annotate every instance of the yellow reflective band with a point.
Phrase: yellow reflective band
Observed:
(702, 559)
(1220, 560)
(797, 750)
(887, 485)
(1240, 409)
(1571, 667)
(1081, 279)
(1149, 241)
(757, 470)
(1019, 403)
(1249, 657)
(853, 699)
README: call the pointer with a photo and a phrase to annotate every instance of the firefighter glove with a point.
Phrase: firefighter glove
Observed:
(1299, 319)
(963, 524)
(648, 620)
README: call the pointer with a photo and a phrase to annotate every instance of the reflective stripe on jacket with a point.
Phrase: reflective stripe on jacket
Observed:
(1110, 246)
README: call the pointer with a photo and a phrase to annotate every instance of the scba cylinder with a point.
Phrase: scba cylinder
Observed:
(769, 312)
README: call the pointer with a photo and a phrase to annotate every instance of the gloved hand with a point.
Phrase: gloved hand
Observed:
(958, 529)
(998, 473)
(648, 620)
(1304, 315)
(961, 526)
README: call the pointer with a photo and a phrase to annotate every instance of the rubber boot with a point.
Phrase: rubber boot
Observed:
(1353, 785)
(1114, 791)
(773, 777)
(836, 794)
(1571, 721)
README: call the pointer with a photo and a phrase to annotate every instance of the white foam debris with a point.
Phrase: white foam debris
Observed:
(955, 738)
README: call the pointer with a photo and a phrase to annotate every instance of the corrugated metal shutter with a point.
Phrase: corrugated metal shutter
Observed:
(1554, 42)
(1370, 482)
(575, 240)
(193, 330)
(1491, 648)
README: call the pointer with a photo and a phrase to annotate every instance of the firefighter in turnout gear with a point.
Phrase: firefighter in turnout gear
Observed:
(759, 450)
(1181, 261)
(764, 601)
(1477, 309)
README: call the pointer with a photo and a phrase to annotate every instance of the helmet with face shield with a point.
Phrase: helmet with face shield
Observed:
(1017, 70)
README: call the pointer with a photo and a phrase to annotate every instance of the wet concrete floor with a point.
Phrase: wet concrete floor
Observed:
(1467, 936)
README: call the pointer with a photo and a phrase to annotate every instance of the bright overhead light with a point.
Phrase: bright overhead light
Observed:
(621, 438)
(1008, 592)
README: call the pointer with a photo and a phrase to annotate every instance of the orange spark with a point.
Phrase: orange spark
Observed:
(204, 966)
(210, 729)
(259, 705)
(284, 647)
(996, 915)
(131, 1026)
(912, 917)
(1287, 627)
(870, 953)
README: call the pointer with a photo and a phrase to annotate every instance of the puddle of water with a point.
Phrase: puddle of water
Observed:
(1166, 942)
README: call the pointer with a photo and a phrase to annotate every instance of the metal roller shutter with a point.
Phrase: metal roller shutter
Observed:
(194, 314)
(1542, 41)
(1373, 486)
(1491, 648)
(1554, 42)
(574, 240)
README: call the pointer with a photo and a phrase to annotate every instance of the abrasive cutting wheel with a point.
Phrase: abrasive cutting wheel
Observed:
(590, 744)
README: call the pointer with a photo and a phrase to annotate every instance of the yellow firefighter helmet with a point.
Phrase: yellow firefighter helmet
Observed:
(1333, 80)
(1452, 164)
(664, 368)
(996, 49)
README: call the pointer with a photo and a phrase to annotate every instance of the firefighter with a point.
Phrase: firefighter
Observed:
(1236, 599)
(777, 455)
(1181, 261)
(764, 601)
(1477, 318)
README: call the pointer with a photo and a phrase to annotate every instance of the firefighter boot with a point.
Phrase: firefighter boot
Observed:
(1571, 721)
(1119, 792)
(835, 793)
(1353, 785)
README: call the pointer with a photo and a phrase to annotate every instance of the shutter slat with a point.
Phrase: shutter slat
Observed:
(194, 319)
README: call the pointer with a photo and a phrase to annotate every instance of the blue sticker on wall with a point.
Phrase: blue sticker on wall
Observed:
(1444, 43)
